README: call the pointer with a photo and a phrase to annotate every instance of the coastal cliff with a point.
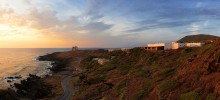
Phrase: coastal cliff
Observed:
(186, 73)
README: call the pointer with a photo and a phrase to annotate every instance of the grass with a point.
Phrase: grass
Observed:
(168, 85)
(190, 96)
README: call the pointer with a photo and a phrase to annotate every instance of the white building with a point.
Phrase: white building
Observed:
(194, 44)
(176, 45)
(125, 49)
(102, 61)
(156, 46)
(111, 50)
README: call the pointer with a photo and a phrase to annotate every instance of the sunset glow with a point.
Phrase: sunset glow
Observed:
(97, 23)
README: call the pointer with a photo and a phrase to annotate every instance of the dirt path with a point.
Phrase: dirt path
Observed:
(68, 90)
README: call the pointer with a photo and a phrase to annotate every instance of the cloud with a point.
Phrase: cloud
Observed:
(157, 25)
(97, 27)
(110, 22)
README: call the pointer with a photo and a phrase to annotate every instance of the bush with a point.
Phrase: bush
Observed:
(33, 88)
(141, 73)
(96, 80)
(124, 69)
(89, 65)
(190, 96)
(168, 85)
(122, 84)
(105, 69)
(167, 71)
(147, 85)
(188, 50)
(138, 96)
(121, 88)
(211, 96)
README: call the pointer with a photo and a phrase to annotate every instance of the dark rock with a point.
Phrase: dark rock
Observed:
(9, 81)
(33, 88)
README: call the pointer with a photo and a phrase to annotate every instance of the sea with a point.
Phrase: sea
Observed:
(22, 62)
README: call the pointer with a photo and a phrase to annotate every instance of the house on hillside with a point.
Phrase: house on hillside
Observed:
(176, 45)
(111, 50)
(156, 46)
(194, 44)
(101, 61)
(125, 49)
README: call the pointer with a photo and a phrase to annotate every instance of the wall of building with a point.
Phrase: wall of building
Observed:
(111, 50)
(176, 45)
(156, 45)
(194, 44)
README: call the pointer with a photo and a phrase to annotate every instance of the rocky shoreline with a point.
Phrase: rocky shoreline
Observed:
(9, 81)
(33, 87)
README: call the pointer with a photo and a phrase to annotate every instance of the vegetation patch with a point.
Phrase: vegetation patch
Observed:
(141, 73)
(168, 85)
(33, 88)
(211, 96)
(96, 80)
(190, 96)
(121, 88)
(124, 69)
(122, 84)
(147, 85)
(138, 96)
(167, 71)
(105, 69)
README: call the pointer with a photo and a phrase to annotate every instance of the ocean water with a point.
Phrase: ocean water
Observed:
(15, 62)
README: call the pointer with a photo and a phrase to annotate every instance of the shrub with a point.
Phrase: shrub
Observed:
(122, 84)
(168, 85)
(167, 71)
(88, 59)
(89, 65)
(122, 88)
(147, 85)
(105, 69)
(124, 69)
(141, 73)
(153, 60)
(138, 96)
(95, 80)
(207, 48)
(211, 96)
(122, 94)
(190, 96)
(188, 50)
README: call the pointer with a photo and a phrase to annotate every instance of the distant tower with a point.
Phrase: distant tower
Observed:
(75, 48)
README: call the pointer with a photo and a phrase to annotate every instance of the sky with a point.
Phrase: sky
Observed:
(103, 23)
